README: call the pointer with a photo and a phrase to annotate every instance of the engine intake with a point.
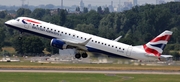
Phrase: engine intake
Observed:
(58, 44)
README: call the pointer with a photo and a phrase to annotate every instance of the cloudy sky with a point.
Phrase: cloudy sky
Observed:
(71, 2)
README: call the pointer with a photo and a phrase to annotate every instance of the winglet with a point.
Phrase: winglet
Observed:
(117, 39)
(84, 43)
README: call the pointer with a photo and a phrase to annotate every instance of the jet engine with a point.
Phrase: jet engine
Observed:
(58, 44)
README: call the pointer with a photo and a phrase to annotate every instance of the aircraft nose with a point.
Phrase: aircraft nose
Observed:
(7, 23)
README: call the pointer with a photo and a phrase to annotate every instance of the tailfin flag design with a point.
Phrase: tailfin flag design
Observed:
(156, 45)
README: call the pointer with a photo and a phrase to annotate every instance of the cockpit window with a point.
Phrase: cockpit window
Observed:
(17, 19)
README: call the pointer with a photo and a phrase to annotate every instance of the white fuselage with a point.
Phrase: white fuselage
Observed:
(96, 44)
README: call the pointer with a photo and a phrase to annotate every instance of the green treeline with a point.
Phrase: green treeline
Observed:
(137, 26)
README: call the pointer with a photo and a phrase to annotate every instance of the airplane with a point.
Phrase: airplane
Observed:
(65, 38)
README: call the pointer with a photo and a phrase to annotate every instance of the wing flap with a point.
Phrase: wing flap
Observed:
(79, 45)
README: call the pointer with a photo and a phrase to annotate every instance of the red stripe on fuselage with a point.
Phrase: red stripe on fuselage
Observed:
(32, 21)
(151, 51)
(162, 38)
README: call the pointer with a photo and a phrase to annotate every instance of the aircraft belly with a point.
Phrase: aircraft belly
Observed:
(140, 54)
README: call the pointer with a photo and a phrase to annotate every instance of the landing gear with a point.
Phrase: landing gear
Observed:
(79, 55)
(84, 55)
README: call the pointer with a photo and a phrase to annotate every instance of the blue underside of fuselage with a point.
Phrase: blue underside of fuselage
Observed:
(90, 49)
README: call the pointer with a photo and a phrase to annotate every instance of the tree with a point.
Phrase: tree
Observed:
(77, 9)
(62, 17)
(87, 28)
(99, 10)
(38, 13)
(3, 14)
(49, 6)
(55, 19)
(93, 17)
(2, 37)
(175, 55)
(17, 44)
(109, 26)
(85, 10)
(23, 12)
(106, 10)
(29, 44)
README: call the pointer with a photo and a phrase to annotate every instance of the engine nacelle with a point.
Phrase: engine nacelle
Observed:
(58, 44)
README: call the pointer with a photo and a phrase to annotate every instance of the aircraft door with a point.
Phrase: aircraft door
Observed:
(129, 51)
(26, 25)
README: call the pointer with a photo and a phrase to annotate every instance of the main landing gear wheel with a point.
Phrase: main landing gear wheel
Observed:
(78, 55)
(84, 55)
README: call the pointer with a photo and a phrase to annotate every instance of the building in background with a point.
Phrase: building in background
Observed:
(81, 5)
(128, 5)
(111, 8)
(177, 0)
(135, 2)
(160, 2)
(61, 4)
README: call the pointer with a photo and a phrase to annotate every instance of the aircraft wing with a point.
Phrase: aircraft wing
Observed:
(79, 45)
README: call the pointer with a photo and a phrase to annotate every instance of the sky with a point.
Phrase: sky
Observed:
(71, 2)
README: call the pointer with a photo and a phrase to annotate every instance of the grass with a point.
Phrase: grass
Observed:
(29, 65)
(76, 77)
(11, 50)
